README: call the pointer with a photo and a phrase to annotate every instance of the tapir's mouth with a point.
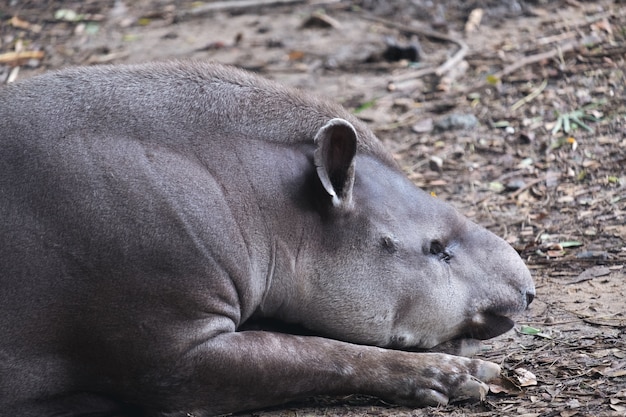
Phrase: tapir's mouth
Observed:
(481, 327)
(466, 342)
(486, 325)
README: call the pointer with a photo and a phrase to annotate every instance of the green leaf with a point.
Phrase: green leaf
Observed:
(532, 331)
(492, 79)
(130, 37)
(365, 106)
(570, 244)
(68, 15)
(496, 187)
(529, 330)
(92, 28)
(501, 124)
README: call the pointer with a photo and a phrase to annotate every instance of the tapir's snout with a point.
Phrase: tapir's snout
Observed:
(525, 282)
(525, 288)
(506, 280)
(499, 287)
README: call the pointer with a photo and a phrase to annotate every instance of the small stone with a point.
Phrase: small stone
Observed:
(435, 163)
(515, 184)
(457, 121)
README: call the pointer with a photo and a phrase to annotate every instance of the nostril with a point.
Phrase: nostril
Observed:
(530, 296)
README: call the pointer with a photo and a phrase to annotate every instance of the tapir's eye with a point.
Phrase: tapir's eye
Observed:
(439, 249)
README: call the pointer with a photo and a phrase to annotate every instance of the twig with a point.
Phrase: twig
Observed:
(556, 38)
(440, 70)
(520, 190)
(231, 5)
(530, 97)
(455, 59)
(536, 58)
(531, 59)
(414, 74)
(606, 51)
(14, 57)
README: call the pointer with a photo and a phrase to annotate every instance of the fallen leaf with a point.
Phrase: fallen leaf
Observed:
(591, 273)
(604, 352)
(616, 230)
(573, 403)
(504, 385)
(525, 377)
(610, 372)
(615, 373)
(295, 55)
(473, 20)
(602, 25)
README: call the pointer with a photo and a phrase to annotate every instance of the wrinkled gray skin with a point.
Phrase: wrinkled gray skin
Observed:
(148, 212)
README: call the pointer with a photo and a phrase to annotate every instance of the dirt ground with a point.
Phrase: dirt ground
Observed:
(514, 111)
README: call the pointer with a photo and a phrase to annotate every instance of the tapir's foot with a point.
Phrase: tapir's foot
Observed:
(472, 385)
(446, 378)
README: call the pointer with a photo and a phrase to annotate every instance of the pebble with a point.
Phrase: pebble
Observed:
(457, 121)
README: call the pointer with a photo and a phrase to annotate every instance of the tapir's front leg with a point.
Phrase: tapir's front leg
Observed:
(253, 369)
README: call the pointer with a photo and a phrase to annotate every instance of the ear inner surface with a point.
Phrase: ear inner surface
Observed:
(334, 160)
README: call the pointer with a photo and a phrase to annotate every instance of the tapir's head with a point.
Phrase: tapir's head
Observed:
(398, 267)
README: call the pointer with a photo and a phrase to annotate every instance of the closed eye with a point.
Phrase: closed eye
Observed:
(439, 249)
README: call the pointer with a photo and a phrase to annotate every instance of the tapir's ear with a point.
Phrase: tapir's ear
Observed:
(334, 159)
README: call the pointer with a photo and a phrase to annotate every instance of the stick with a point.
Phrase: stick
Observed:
(514, 194)
(232, 5)
(531, 96)
(13, 57)
(440, 70)
(536, 58)
(531, 59)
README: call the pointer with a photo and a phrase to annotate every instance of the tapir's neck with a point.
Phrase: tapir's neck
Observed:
(273, 203)
(284, 280)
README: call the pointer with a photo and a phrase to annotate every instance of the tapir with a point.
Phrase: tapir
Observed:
(189, 239)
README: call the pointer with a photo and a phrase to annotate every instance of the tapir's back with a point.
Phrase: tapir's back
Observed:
(167, 102)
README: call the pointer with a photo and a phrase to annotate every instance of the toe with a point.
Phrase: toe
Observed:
(487, 371)
(471, 388)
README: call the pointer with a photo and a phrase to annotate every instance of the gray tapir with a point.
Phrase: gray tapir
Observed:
(150, 214)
